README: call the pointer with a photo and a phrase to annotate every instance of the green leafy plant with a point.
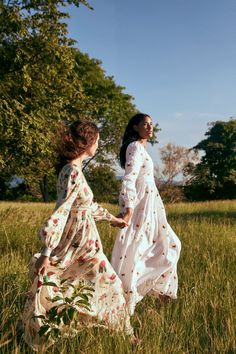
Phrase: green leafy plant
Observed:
(62, 319)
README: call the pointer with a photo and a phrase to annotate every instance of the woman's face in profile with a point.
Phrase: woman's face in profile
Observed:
(145, 128)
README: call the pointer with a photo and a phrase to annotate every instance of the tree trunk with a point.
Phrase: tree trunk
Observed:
(44, 188)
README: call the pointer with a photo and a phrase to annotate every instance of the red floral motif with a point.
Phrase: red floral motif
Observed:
(102, 297)
(102, 264)
(112, 277)
(55, 288)
(102, 267)
(74, 174)
(55, 221)
(82, 259)
(50, 273)
(39, 284)
(90, 242)
(83, 214)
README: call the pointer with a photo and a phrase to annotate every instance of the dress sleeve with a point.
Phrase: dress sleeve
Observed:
(134, 159)
(100, 213)
(68, 187)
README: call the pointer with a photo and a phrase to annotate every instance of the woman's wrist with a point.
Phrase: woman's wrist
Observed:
(128, 211)
(113, 218)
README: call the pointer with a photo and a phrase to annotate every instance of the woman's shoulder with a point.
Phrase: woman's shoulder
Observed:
(70, 170)
(135, 146)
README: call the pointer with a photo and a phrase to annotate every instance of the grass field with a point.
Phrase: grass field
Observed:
(201, 320)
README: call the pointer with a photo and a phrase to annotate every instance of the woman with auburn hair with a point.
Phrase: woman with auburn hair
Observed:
(145, 253)
(72, 249)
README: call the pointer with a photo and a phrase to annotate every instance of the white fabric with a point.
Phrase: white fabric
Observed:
(71, 238)
(145, 253)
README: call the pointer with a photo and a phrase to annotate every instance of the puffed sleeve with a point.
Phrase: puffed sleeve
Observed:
(100, 213)
(68, 187)
(134, 160)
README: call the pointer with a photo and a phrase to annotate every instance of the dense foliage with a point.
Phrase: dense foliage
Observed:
(215, 176)
(44, 80)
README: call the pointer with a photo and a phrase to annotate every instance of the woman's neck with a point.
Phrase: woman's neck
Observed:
(143, 141)
(79, 160)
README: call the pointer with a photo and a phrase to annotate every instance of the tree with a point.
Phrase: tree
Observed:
(104, 184)
(215, 176)
(38, 86)
(43, 81)
(112, 108)
(174, 160)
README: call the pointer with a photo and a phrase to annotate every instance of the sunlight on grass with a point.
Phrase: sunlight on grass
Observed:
(201, 320)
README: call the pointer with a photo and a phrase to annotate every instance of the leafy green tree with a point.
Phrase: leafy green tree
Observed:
(44, 80)
(104, 184)
(112, 107)
(38, 86)
(215, 176)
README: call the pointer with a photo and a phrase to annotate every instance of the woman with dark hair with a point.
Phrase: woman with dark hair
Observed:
(145, 253)
(72, 250)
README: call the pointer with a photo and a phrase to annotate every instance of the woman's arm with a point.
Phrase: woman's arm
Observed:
(134, 161)
(41, 264)
(68, 187)
(127, 214)
(100, 213)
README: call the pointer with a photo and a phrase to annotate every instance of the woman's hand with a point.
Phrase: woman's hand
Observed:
(41, 264)
(127, 214)
(119, 222)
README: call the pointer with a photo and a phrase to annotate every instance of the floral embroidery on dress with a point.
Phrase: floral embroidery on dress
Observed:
(70, 235)
(153, 247)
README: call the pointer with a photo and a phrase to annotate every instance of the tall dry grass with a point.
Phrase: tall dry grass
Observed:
(201, 320)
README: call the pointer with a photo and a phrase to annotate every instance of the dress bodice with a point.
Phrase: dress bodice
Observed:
(139, 170)
(146, 172)
(70, 176)
(75, 198)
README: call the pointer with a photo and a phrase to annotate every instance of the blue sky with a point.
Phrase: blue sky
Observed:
(175, 57)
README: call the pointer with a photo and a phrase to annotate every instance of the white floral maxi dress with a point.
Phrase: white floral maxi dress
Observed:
(71, 237)
(145, 253)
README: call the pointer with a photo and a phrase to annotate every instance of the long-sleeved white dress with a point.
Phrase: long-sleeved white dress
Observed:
(71, 238)
(145, 253)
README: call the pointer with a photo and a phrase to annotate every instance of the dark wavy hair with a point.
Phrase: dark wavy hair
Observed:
(73, 140)
(130, 135)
